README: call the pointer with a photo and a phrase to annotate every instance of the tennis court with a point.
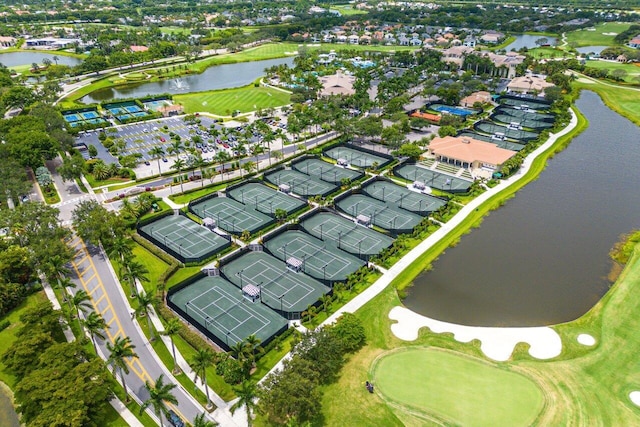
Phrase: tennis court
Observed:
(524, 103)
(301, 184)
(433, 179)
(356, 157)
(326, 171)
(345, 234)
(219, 309)
(280, 287)
(508, 131)
(402, 197)
(264, 199)
(319, 260)
(230, 215)
(382, 214)
(183, 238)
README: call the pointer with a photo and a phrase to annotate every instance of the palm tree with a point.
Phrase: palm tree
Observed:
(178, 165)
(121, 248)
(145, 303)
(172, 328)
(256, 150)
(253, 346)
(246, 397)
(200, 421)
(55, 58)
(120, 350)
(202, 360)
(239, 350)
(199, 163)
(55, 268)
(81, 301)
(134, 271)
(158, 395)
(95, 324)
(157, 153)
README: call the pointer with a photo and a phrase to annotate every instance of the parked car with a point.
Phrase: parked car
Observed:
(174, 419)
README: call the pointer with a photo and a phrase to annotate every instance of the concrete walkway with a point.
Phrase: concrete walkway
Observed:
(388, 276)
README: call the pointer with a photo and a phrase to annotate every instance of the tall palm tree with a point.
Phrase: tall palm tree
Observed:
(121, 248)
(172, 328)
(200, 421)
(145, 303)
(95, 324)
(159, 394)
(178, 165)
(246, 397)
(202, 360)
(133, 271)
(119, 351)
(81, 301)
(157, 153)
(55, 58)
(55, 269)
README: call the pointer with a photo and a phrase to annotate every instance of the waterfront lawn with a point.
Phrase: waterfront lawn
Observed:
(633, 70)
(602, 36)
(225, 102)
(623, 100)
(457, 387)
(347, 10)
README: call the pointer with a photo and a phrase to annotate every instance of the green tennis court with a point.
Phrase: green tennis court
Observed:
(382, 214)
(280, 287)
(264, 199)
(356, 157)
(301, 184)
(523, 103)
(345, 234)
(508, 131)
(402, 197)
(220, 309)
(326, 171)
(230, 215)
(183, 238)
(319, 260)
(433, 179)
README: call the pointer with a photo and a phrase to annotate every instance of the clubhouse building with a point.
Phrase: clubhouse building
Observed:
(483, 158)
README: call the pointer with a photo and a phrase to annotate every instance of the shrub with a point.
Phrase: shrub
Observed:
(4, 324)
(231, 370)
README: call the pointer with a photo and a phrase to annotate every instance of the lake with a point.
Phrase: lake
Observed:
(591, 49)
(216, 77)
(8, 416)
(529, 41)
(542, 258)
(13, 59)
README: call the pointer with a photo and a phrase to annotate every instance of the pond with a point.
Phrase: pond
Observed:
(529, 41)
(8, 415)
(216, 77)
(542, 258)
(13, 59)
(591, 49)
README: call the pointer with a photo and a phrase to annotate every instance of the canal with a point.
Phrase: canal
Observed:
(542, 258)
(216, 77)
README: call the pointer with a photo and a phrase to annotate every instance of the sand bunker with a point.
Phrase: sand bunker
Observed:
(497, 343)
(635, 397)
(609, 34)
(586, 339)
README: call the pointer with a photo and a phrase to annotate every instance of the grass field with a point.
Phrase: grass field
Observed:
(457, 388)
(224, 102)
(621, 99)
(347, 10)
(602, 36)
(633, 70)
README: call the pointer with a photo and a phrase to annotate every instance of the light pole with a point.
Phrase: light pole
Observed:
(324, 274)
(339, 238)
(281, 310)
(284, 248)
(321, 231)
(240, 275)
(242, 195)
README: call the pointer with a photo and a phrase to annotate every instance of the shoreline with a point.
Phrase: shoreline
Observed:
(6, 391)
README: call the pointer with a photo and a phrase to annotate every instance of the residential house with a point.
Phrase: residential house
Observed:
(7, 41)
(353, 39)
(482, 97)
(634, 42)
(529, 85)
(492, 37)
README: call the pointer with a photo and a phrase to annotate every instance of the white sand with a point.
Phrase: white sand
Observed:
(496, 343)
(586, 339)
(635, 397)
(609, 34)
(587, 81)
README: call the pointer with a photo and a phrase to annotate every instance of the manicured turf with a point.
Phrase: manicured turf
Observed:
(621, 99)
(600, 37)
(347, 10)
(458, 388)
(224, 102)
(633, 70)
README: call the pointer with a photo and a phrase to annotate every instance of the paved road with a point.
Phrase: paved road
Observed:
(91, 271)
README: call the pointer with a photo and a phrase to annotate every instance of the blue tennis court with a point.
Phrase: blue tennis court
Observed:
(132, 108)
(140, 114)
(89, 115)
(72, 118)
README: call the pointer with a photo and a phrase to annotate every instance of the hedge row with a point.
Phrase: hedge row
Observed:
(191, 337)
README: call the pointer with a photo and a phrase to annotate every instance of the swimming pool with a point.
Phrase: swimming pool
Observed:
(458, 111)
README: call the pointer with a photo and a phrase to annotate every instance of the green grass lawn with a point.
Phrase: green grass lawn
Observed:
(623, 100)
(459, 389)
(347, 10)
(602, 36)
(224, 102)
(633, 70)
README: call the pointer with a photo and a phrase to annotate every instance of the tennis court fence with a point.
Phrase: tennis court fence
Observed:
(195, 323)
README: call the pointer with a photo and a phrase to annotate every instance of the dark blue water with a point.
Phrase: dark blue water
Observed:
(216, 77)
(12, 59)
(542, 258)
(529, 41)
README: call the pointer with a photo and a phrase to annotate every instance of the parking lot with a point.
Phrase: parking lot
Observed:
(141, 138)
